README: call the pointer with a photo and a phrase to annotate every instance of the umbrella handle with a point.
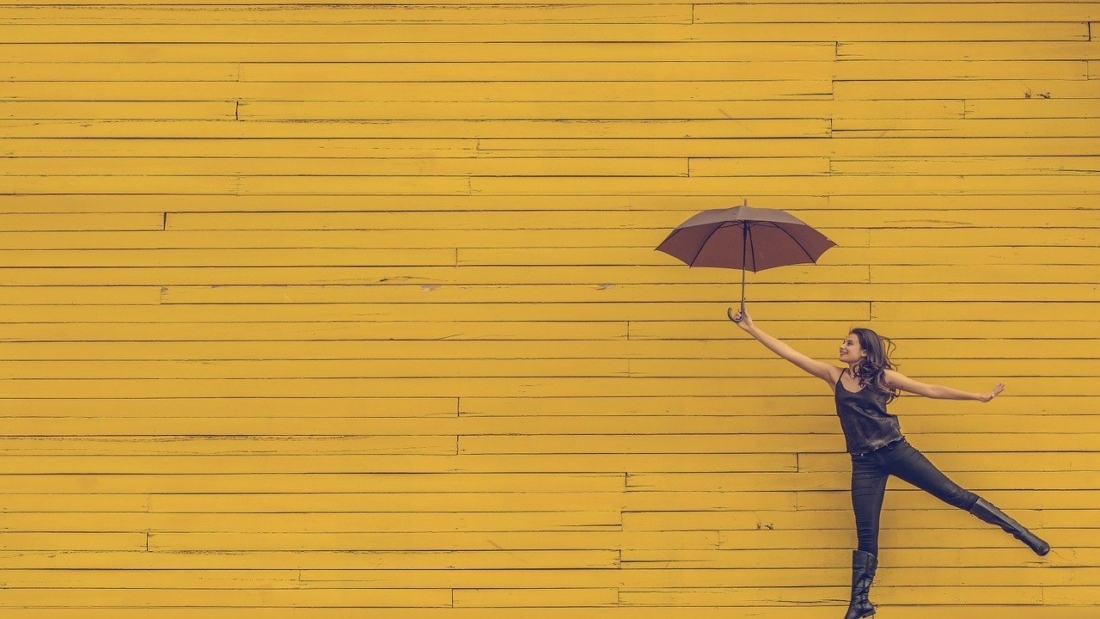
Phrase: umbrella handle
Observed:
(729, 312)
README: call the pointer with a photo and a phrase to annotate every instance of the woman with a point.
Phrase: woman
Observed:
(877, 447)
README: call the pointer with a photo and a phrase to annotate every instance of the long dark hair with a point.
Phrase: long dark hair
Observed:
(871, 371)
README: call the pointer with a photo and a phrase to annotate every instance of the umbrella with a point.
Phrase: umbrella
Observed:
(750, 239)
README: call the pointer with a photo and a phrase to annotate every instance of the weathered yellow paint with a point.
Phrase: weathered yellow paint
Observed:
(346, 308)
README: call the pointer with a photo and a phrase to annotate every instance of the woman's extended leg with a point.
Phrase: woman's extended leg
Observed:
(911, 466)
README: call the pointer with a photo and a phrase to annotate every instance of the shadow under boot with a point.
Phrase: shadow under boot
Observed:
(987, 512)
(863, 574)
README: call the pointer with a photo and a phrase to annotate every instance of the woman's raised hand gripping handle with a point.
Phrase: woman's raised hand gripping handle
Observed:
(741, 319)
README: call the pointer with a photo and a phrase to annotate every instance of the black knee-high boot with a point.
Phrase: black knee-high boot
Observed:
(863, 574)
(989, 513)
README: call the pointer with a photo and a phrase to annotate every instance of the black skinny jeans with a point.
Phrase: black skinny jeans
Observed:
(870, 472)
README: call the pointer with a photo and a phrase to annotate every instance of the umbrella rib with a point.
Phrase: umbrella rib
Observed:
(797, 242)
(752, 252)
(704, 244)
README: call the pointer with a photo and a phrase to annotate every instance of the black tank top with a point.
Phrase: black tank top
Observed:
(863, 417)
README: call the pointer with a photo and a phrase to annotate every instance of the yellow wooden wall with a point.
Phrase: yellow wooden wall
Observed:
(313, 308)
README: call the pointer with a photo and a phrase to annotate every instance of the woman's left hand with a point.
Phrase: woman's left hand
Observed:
(986, 397)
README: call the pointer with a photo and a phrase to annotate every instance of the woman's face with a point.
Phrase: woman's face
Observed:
(850, 350)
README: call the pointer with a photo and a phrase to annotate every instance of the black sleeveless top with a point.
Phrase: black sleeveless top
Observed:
(863, 417)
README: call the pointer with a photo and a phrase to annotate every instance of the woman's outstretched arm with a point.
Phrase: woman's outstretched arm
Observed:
(826, 372)
(898, 380)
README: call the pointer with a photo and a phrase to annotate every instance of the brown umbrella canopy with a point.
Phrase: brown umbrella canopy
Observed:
(750, 239)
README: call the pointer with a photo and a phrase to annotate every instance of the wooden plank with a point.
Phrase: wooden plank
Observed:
(394, 486)
(116, 71)
(368, 407)
(1036, 107)
(418, 148)
(404, 465)
(256, 446)
(586, 14)
(958, 69)
(966, 89)
(968, 165)
(319, 369)
(795, 185)
(403, 504)
(755, 128)
(372, 167)
(495, 597)
(553, 110)
(557, 221)
(991, 201)
(86, 541)
(454, 560)
(569, 89)
(114, 110)
(961, 237)
(372, 149)
(602, 71)
(886, 310)
(894, 12)
(231, 184)
(235, 332)
(507, 33)
(611, 209)
(437, 51)
(988, 50)
(320, 503)
(1039, 127)
(980, 273)
(94, 295)
(364, 531)
(84, 222)
(204, 240)
(134, 258)
(233, 599)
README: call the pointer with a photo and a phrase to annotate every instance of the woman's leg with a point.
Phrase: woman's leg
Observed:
(868, 490)
(910, 465)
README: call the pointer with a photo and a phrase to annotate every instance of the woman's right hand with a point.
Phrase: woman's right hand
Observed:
(741, 319)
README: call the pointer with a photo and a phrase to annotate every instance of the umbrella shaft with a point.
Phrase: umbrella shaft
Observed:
(744, 267)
